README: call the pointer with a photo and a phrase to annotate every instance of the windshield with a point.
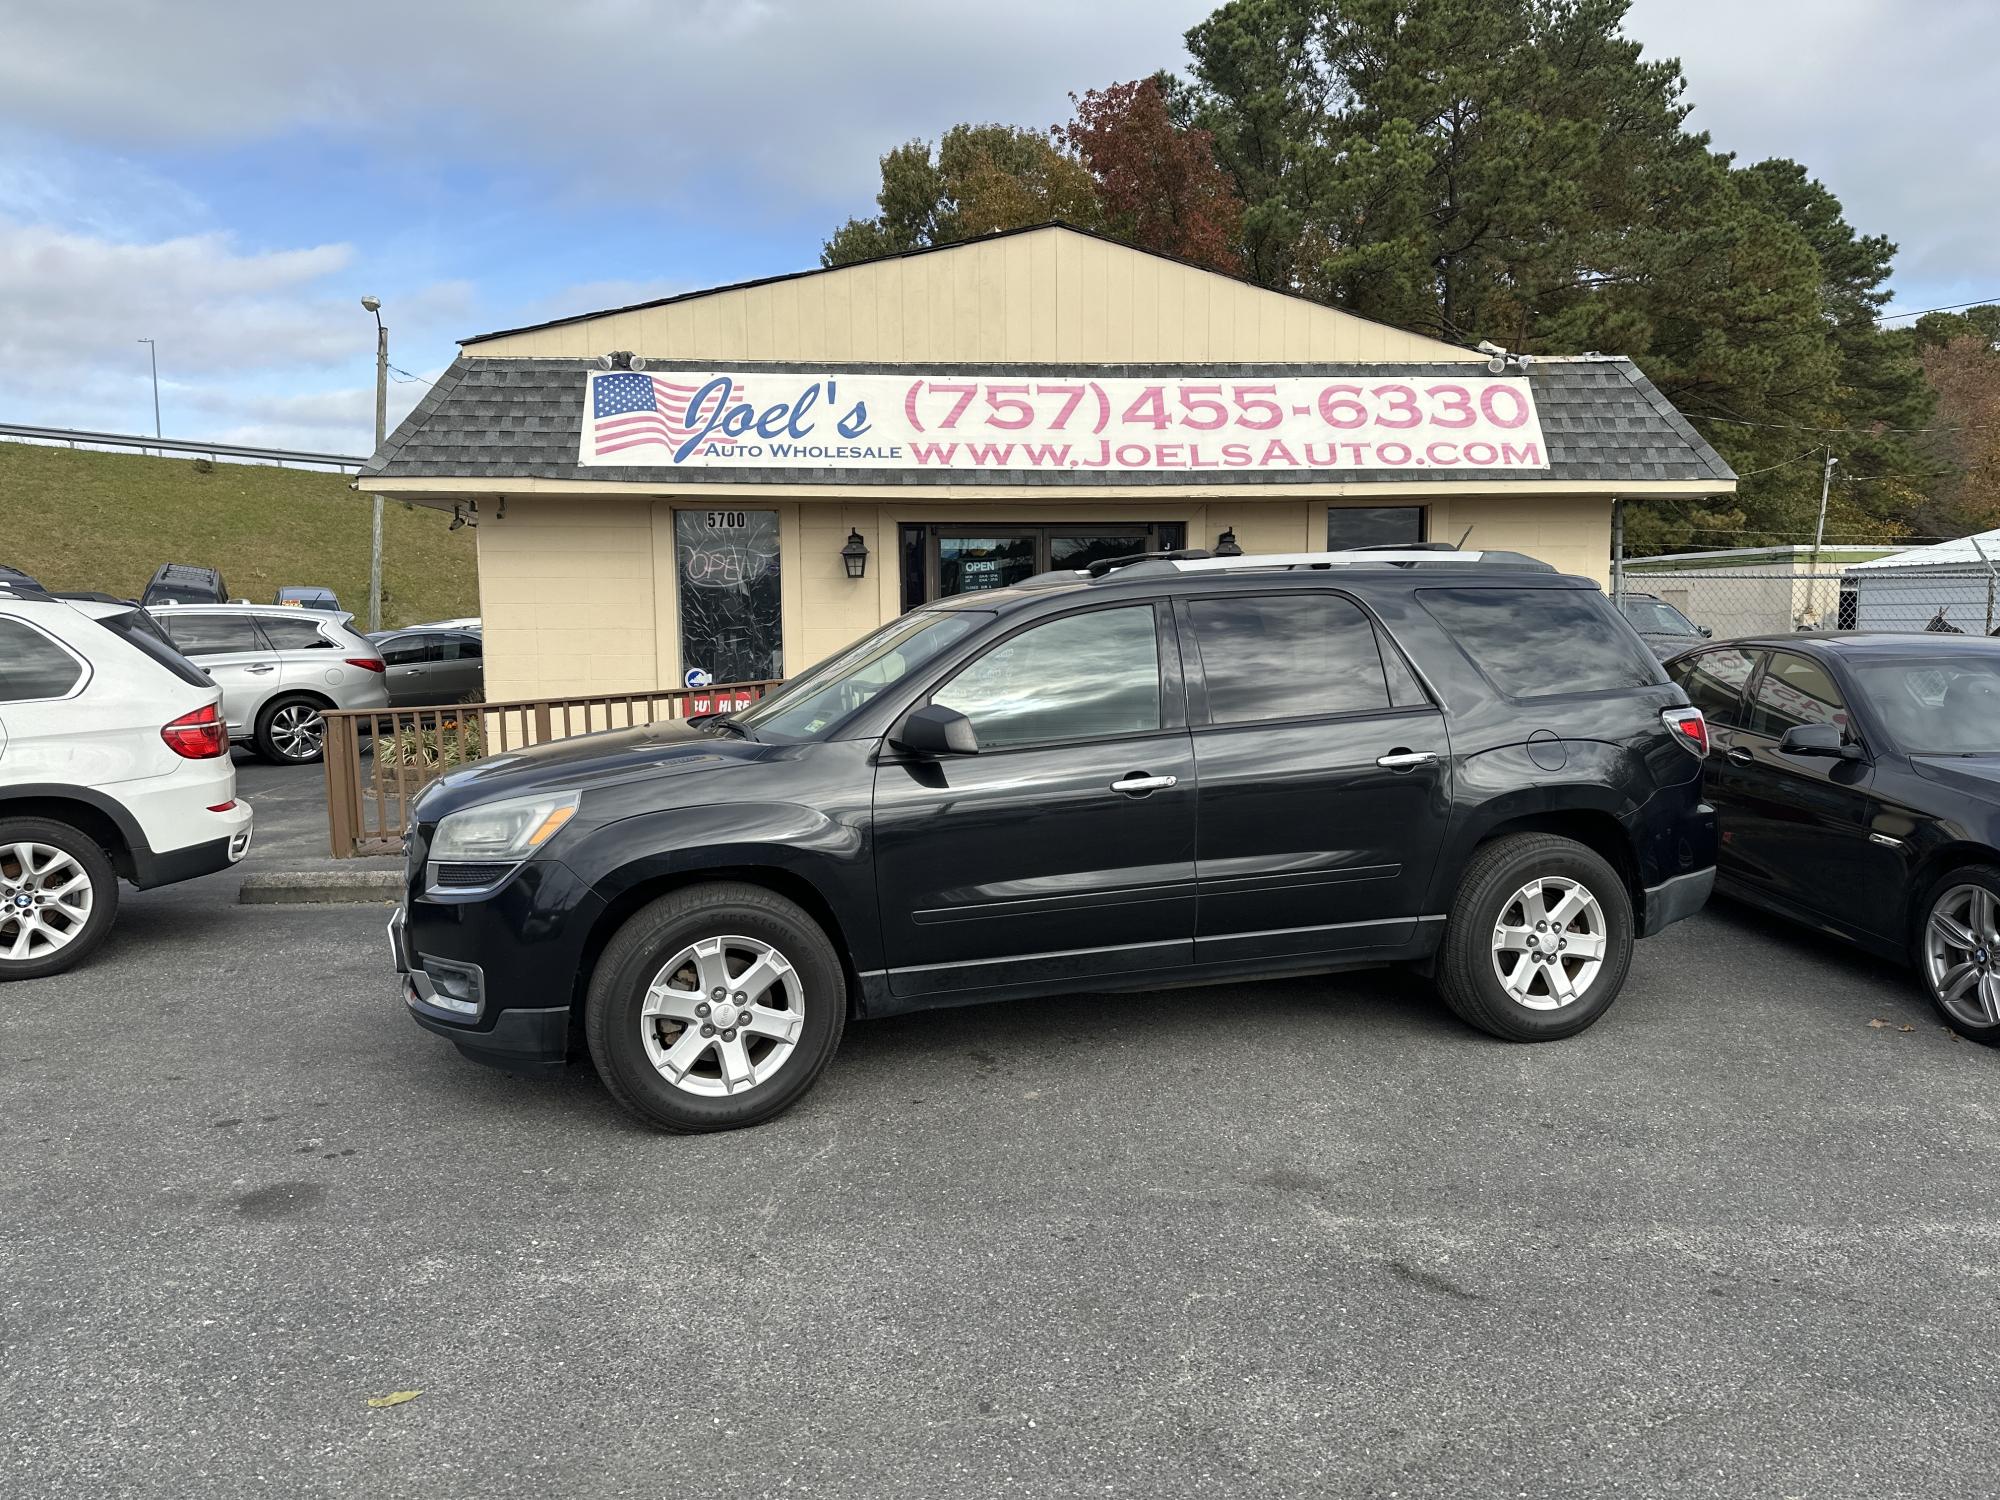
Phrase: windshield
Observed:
(1657, 618)
(1936, 707)
(810, 706)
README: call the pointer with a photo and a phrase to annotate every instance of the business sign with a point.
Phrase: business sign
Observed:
(825, 420)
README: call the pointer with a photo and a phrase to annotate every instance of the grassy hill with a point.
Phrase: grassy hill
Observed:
(83, 520)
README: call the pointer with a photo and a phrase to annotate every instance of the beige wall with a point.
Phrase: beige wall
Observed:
(1050, 295)
(579, 595)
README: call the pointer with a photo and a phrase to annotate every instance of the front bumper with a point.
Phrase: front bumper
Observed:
(495, 972)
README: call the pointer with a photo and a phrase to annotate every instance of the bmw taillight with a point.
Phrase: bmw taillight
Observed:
(367, 663)
(200, 735)
(1688, 726)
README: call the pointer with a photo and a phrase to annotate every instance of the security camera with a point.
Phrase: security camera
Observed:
(1487, 346)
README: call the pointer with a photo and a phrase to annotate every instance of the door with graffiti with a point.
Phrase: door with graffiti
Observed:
(731, 618)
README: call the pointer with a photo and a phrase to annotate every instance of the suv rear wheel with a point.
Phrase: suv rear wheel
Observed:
(58, 896)
(1538, 940)
(291, 731)
(715, 1007)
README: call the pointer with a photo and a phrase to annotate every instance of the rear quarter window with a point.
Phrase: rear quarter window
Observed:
(32, 666)
(1543, 643)
(142, 632)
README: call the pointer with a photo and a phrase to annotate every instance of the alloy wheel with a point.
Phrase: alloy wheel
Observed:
(1962, 954)
(297, 730)
(722, 1015)
(1549, 943)
(45, 900)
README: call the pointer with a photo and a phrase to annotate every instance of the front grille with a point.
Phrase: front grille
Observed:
(467, 876)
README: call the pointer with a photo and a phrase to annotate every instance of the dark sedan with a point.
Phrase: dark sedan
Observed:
(1857, 782)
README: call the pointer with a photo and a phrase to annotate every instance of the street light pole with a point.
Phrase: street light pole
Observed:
(153, 353)
(374, 305)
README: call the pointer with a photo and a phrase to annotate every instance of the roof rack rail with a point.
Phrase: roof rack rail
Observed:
(1105, 565)
(1399, 557)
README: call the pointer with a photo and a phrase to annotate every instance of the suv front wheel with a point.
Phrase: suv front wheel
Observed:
(714, 1007)
(1538, 940)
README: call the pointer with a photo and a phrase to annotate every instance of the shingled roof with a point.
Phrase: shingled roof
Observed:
(495, 418)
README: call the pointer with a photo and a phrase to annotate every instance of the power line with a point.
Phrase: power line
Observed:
(1702, 416)
(1812, 452)
(1950, 307)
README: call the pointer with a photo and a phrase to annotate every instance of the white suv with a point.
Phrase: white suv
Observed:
(114, 761)
(278, 668)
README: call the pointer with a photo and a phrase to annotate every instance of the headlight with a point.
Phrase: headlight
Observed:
(509, 830)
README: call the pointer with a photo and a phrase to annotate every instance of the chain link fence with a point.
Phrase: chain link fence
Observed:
(1949, 598)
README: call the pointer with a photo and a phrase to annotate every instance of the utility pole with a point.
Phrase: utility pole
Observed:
(153, 353)
(374, 305)
(1819, 533)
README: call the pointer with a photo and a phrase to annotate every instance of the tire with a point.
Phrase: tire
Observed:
(1961, 971)
(53, 934)
(636, 1055)
(1500, 875)
(291, 732)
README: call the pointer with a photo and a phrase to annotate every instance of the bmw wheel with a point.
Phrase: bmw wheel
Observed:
(1959, 951)
(58, 896)
(715, 1007)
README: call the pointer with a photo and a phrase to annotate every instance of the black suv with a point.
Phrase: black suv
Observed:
(1161, 770)
(184, 583)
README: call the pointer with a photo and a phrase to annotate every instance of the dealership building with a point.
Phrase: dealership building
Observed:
(731, 484)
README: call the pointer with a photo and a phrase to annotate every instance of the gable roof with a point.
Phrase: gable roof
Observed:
(501, 418)
(1025, 265)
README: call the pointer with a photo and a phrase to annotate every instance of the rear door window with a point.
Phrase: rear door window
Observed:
(408, 650)
(1543, 643)
(1714, 682)
(1793, 691)
(1288, 656)
(212, 635)
(32, 666)
(287, 634)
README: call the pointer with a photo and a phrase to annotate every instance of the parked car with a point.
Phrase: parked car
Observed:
(279, 669)
(428, 666)
(20, 580)
(1857, 784)
(308, 596)
(1665, 630)
(113, 764)
(182, 583)
(1177, 769)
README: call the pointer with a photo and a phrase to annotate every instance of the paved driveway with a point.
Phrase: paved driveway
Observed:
(1304, 1238)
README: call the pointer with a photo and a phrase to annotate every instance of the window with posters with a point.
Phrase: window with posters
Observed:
(731, 617)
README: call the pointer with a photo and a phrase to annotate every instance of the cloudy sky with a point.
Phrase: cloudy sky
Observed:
(229, 178)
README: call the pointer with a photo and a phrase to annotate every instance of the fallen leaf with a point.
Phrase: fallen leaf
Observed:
(1906, 1028)
(394, 1398)
(1878, 1023)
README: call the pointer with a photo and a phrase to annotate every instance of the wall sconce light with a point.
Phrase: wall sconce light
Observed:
(1225, 545)
(855, 554)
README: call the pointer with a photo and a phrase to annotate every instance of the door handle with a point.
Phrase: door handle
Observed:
(1739, 756)
(1404, 760)
(260, 670)
(1138, 783)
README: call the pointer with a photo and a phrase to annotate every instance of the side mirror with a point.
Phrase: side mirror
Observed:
(1824, 740)
(1706, 633)
(935, 730)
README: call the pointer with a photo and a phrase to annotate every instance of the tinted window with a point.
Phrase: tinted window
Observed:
(1081, 677)
(293, 635)
(1714, 682)
(461, 648)
(138, 629)
(1794, 691)
(1373, 525)
(211, 635)
(33, 666)
(1538, 643)
(402, 650)
(1287, 656)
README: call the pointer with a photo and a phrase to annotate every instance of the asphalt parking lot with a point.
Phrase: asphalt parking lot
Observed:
(1312, 1237)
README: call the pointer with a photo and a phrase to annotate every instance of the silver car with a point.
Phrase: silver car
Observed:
(278, 667)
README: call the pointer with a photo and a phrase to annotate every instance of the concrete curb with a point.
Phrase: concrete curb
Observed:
(320, 887)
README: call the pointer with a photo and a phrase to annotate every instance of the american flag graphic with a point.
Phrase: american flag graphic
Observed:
(632, 410)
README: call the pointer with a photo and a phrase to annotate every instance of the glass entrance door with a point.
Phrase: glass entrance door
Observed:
(944, 559)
